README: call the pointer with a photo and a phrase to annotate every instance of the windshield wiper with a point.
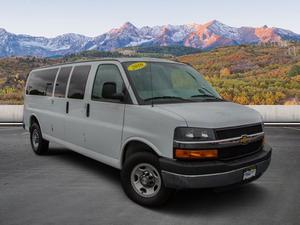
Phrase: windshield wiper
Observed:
(208, 96)
(166, 97)
(205, 91)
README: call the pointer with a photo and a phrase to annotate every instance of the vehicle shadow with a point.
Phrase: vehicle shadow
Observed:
(92, 166)
(183, 202)
(214, 201)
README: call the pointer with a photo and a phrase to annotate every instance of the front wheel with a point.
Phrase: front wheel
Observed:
(39, 145)
(142, 181)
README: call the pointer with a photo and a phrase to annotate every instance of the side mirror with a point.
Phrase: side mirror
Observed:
(109, 91)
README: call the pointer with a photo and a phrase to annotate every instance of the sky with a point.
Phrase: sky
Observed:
(94, 17)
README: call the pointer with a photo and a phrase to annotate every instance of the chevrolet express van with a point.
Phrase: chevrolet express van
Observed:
(158, 121)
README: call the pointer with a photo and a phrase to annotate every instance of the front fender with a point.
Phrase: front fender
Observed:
(139, 139)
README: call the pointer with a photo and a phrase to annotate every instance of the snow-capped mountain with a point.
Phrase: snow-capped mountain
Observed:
(204, 36)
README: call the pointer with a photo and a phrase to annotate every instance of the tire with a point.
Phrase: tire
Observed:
(142, 181)
(39, 145)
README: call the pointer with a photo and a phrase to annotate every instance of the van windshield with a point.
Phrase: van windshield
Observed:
(163, 82)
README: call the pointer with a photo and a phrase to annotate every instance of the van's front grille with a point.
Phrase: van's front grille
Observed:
(225, 133)
(239, 151)
(231, 142)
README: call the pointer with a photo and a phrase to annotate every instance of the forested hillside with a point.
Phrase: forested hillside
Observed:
(243, 74)
(13, 73)
(252, 74)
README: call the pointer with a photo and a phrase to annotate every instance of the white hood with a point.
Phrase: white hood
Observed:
(213, 114)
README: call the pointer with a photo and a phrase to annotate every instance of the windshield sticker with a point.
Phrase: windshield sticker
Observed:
(136, 66)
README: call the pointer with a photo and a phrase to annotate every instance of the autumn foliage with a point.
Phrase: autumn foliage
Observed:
(251, 74)
(243, 74)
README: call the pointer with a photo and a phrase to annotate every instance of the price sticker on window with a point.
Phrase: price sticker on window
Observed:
(137, 66)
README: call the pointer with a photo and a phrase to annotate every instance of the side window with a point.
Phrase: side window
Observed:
(105, 74)
(61, 82)
(78, 81)
(41, 82)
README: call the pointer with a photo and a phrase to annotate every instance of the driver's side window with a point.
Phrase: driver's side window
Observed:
(107, 74)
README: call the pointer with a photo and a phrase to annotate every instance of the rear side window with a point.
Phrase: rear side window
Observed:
(78, 81)
(61, 82)
(41, 82)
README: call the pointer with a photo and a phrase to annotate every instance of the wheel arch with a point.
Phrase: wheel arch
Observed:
(33, 118)
(134, 145)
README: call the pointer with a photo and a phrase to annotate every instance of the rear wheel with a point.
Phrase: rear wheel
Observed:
(142, 181)
(39, 145)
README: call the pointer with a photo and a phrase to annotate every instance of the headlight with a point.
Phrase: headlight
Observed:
(193, 134)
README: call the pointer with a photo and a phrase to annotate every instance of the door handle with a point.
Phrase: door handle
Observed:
(87, 110)
(67, 107)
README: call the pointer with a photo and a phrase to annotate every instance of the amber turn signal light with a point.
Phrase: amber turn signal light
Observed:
(196, 154)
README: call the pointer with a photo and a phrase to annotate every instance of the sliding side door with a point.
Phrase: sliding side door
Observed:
(59, 107)
(76, 107)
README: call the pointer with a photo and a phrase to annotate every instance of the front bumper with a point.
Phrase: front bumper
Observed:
(184, 174)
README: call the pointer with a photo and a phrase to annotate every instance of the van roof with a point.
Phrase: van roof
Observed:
(120, 59)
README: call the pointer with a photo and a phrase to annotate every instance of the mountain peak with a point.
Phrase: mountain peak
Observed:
(125, 28)
(206, 36)
(72, 36)
(2, 31)
(213, 22)
(128, 25)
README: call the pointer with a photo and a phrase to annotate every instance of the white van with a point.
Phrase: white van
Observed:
(156, 120)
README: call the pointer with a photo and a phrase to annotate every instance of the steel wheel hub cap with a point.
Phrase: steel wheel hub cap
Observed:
(145, 180)
(35, 139)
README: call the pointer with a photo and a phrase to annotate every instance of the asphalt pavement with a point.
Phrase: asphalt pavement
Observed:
(67, 188)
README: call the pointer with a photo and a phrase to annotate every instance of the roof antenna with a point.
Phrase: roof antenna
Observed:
(151, 81)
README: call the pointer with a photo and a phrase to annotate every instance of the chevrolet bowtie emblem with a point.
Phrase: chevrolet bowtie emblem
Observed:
(244, 139)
